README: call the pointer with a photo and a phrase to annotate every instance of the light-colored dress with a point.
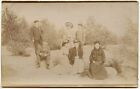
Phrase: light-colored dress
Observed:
(78, 66)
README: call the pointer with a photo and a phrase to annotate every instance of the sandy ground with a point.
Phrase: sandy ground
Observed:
(21, 71)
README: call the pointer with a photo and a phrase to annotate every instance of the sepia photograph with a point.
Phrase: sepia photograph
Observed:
(69, 44)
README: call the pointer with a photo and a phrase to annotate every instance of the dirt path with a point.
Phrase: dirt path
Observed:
(17, 70)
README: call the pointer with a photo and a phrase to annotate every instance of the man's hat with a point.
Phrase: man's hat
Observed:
(36, 21)
(69, 24)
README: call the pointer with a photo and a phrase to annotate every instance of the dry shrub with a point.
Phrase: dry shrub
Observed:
(95, 31)
(15, 33)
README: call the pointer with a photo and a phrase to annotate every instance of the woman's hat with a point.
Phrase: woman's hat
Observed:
(97, 42)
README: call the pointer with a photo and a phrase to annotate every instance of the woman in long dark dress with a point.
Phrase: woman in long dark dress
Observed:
(97, 59)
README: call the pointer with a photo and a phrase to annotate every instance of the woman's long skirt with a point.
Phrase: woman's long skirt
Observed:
(97, 71)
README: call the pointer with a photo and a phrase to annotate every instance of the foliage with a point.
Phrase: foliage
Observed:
(15, 32)
(50, 34)
(130, 40)
(95, 31)
(131, 36)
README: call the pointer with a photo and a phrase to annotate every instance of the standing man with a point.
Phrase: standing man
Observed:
(36, 37)
(80, 36)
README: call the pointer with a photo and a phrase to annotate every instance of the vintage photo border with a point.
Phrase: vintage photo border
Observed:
(74, 86)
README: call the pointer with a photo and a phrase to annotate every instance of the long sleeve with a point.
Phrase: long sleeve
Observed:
(76, 35)
(41, 34)
(91, 57)
(84, 35)
(103, 56)
(31, 34)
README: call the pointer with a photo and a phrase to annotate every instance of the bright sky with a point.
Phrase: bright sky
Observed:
(111, 15)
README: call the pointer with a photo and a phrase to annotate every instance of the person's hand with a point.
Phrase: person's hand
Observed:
(93, 61)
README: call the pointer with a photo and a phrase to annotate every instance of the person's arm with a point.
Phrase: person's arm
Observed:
(32, 34)
(74, 52)
(103, 56)
(91, 57)
(48, 50)
(41, 33)
(84, 37)
(76, 35)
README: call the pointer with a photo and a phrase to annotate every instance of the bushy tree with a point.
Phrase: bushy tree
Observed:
(131, 36)
(130, 41)
(9, 25)
(95, 31)
(15, 32)
(50, 34)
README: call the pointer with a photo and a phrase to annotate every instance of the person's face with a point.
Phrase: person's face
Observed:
(97, 45)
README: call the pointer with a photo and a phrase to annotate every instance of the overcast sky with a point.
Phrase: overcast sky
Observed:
(111, 15)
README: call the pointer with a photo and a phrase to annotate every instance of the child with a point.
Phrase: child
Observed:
(45, 54)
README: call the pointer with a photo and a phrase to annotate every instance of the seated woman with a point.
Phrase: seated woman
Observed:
(63, 66)
(97, 59)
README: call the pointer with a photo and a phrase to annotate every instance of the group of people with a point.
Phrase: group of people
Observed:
(71, 58)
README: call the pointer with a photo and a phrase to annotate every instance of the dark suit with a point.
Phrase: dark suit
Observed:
(73, 52)
(80, 50)
(36, 35)
(80, 36)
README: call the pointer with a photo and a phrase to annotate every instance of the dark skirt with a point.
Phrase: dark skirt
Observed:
(97, 71)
